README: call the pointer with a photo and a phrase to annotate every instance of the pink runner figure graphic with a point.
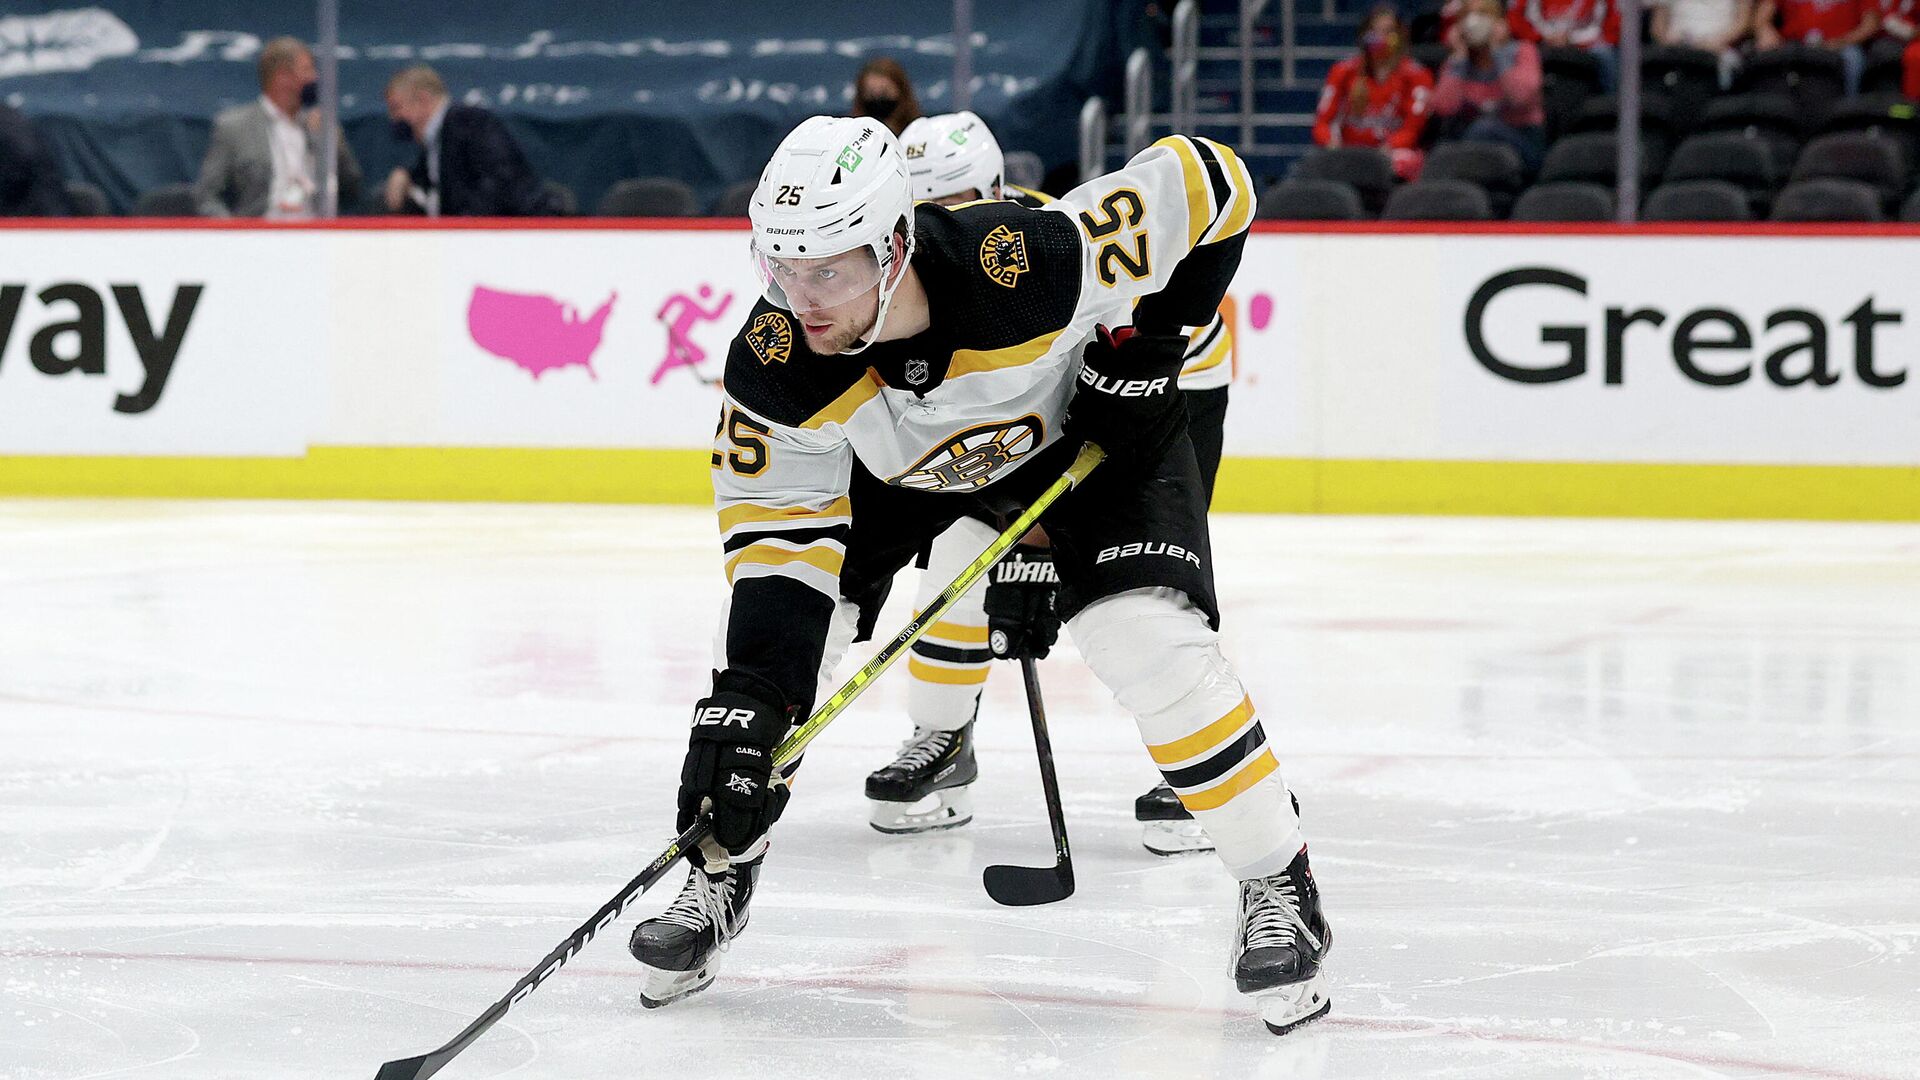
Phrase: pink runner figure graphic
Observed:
(681, 313)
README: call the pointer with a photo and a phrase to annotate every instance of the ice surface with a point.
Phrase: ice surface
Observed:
(290, 789)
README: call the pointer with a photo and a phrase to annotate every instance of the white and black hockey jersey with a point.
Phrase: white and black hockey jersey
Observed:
(1015, 294)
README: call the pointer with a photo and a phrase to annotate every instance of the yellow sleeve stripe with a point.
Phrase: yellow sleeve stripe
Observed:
(1240, 210)
(847, 403)
(1199, 192)
(739, 514)
(1214, 358)
(970, 676)
(1221, 794)
(1206, 738)
(817, 556)
(973, 361)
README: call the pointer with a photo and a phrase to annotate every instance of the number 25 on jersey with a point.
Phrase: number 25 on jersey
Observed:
(1121, 212)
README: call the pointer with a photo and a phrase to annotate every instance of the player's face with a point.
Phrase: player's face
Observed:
(835, 299)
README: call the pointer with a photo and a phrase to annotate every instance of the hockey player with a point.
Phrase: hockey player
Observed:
(954, 159)
(912, 364)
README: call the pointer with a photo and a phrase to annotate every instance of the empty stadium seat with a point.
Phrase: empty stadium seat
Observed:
(1811, 76)
(1697, 200)
(85, 200)
(1771, 118)
(1827, 200)
(1494, 167)
(170, 200)
(1302, 199)
(1856, 155)
(1592, 157)
(1910, 210)
(1564, 201)
(1438, 200)
(1658, 133)
(1570, 76)
(560, 198)
(1369, 172)
(1732, 157)
(1688, 77)
(650, 196)
(734, 201)
(1889, 116)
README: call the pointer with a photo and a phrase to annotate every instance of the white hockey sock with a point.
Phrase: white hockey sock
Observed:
(949, 663)
(1154, 650)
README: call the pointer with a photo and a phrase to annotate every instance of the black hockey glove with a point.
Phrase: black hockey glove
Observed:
(1021, 620)
(730, 761)
(1128, 400)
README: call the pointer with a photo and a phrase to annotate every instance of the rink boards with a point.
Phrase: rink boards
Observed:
(1486, 370)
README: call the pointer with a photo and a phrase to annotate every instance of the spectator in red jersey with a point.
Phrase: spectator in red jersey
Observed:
(1379, 97)
(1842, 25)
(1897, 40)
(1590, 25)
(1715, 26)
(1489, 89)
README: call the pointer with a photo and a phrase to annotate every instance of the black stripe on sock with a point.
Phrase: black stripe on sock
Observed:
(1220, 764)
(800, 537)
(935, 651)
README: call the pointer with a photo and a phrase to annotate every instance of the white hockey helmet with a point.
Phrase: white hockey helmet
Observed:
(835, 185)
(953, 153)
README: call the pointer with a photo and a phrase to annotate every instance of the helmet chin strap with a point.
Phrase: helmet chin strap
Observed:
(886, 300)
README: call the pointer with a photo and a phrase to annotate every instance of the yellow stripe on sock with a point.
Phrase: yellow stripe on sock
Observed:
(1220, 794)
(973, 676)
(966, 635)
(1206, 738)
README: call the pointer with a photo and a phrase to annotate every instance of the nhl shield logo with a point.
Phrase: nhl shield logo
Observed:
(1003, 255)
(916, 372)
(968, 460)
(771, 338)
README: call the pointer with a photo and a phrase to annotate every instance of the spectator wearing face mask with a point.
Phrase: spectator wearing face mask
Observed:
(1378, 97)
(263, 160)
(883, 91)
(1489, 89)
(468, 165)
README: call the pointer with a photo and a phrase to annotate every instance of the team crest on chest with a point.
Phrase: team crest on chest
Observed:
(1003, 255)
(969, 459)
(771, 337)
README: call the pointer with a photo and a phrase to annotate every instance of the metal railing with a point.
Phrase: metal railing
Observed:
(1093, 139)
(1139, 102)
(1182, 104)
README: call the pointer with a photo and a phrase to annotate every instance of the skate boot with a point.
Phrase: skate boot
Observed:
(926, 787)
(680, 947)
(1281, 941)
(1168, 828)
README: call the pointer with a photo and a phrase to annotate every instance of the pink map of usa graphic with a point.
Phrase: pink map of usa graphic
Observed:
(536, 332)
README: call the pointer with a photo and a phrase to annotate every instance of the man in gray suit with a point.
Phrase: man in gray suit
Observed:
(263, 161)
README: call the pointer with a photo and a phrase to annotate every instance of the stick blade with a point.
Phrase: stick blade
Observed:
(1025, 886)
(413, 1068)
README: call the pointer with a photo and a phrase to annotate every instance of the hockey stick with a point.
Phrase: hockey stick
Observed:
(1023, 886)
(789, 751)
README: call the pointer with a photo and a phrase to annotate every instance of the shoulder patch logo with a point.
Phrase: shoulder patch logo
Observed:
(967, 460)
(1003, 255)
(771, 337)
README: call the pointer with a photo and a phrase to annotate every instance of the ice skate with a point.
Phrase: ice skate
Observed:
(927, 786)
(1278, 949)
(1168, 828)
(681, 946)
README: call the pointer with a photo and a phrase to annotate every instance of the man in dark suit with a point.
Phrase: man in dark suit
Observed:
(30, 184)
(469, 165)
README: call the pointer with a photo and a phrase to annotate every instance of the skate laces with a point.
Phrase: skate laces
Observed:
(924, 748)
(1270, 914)
(706, 900)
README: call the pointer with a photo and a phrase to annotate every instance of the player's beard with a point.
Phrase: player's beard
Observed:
(841, 335)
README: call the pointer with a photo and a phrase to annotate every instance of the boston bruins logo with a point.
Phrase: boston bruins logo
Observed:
(1003, 255)
(771, 337)
(969, 459)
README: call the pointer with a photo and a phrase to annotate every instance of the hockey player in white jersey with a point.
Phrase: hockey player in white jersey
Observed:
(954, 159)
(913, 364)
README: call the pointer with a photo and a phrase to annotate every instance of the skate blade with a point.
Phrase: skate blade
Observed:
(948, 809)
(1175, 837)
(1285, 1008)
(666, 987)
